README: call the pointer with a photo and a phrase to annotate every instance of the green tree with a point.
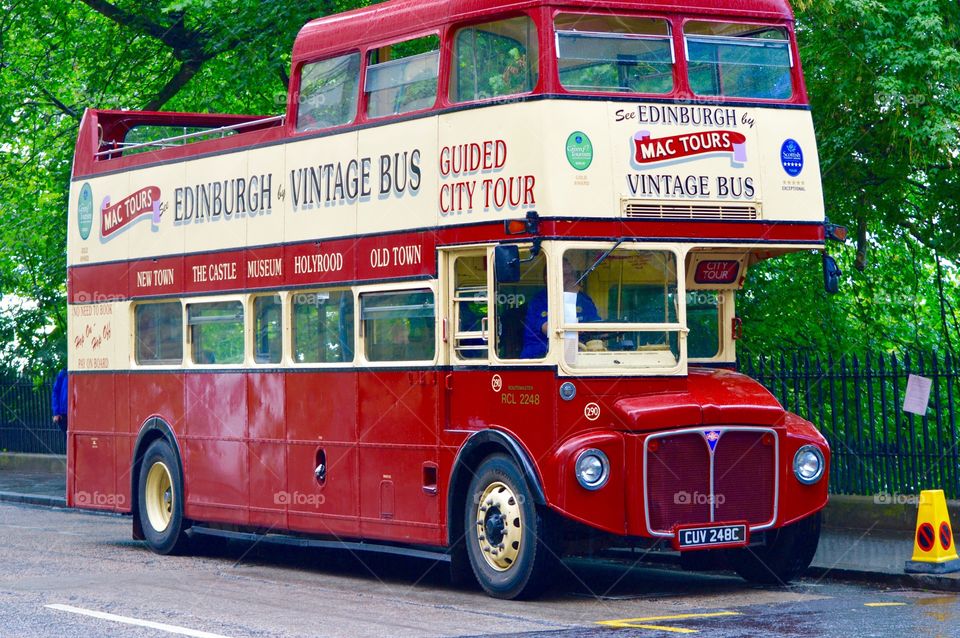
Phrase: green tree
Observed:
(59, 57)
(884, 83)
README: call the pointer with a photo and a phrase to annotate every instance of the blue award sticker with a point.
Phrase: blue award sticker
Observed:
(85, 211)
(791, 157)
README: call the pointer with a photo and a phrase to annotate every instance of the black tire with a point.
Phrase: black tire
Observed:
(160, 500)
(786, 555)
(509, 543)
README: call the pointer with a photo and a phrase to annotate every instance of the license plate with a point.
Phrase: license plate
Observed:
(711, 536)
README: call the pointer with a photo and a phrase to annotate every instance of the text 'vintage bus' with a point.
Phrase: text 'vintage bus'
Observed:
(471, 297)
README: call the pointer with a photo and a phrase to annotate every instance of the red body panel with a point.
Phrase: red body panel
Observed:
(250, 441)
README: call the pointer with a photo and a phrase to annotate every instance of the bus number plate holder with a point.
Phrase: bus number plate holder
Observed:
(718, 536)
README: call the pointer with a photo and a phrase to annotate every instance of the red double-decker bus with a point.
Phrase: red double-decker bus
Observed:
(472, 296)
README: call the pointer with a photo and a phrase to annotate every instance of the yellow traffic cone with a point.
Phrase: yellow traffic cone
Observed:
(933, 548)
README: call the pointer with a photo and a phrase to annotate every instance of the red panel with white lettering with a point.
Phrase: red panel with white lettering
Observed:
(320, 262)
(264, 267)
(717, 271)
(212, 272)
(157, 276)
(386, 256)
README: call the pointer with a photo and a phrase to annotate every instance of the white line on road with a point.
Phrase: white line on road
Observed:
(173, 629)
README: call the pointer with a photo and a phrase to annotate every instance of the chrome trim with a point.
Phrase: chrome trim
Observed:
(823, 465)
(723, 430)
(604, 462)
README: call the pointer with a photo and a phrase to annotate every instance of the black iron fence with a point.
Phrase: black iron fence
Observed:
(26, 423)
(857, 402)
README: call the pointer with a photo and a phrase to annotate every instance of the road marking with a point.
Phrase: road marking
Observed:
(173, 629)
(641, 623)
(884, 604)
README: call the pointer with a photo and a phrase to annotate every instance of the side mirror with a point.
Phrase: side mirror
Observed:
(831, 275)
(506, 263)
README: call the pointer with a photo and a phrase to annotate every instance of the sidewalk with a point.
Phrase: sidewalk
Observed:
(33, 479)
(876, 555)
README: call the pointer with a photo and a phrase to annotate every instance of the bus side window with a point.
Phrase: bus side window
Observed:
(493, 59)
(159, 333)
(328, 93)
(399, 325)
(216, 332)
(403, 77)
(323, 326)
(267, 329)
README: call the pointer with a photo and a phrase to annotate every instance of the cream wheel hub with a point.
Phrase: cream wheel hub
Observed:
(158, 496)
(499, 526)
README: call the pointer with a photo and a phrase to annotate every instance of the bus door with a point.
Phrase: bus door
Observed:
(398, 384)
(467, 325)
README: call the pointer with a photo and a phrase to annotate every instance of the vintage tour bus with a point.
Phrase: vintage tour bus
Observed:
(471, 297)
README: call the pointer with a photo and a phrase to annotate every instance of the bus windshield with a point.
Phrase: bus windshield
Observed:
(625, 312)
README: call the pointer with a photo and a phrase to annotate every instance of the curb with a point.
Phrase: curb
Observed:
(33, 499)
(866, 513)
(916, 581)
(53, 463)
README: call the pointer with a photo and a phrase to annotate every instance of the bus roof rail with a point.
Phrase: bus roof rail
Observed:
(166, 142)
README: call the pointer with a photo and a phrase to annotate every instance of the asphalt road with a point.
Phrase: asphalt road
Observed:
(66, 573)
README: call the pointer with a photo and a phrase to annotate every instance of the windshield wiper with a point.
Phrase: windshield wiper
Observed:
(600, 260)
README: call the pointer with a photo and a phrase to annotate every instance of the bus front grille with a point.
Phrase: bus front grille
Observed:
(684, 487)
(642, 209)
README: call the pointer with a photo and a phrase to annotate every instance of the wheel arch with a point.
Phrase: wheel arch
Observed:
(153, 429)
(474, 450)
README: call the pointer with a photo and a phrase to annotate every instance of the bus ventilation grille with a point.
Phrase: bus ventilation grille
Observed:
(683, 487)
(638, 209)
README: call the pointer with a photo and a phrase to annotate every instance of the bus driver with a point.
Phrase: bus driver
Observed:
(535, 323)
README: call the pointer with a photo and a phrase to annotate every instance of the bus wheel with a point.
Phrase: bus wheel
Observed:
(160, 506)
(506, 533)
(784, 557)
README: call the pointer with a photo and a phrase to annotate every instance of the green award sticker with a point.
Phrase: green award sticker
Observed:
(579, 150)
(85, 211)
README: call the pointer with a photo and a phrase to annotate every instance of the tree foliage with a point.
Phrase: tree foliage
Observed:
(59, 57)
(884, 84)
(883, 80)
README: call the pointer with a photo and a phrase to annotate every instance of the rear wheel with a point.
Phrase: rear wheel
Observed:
(787, 554)
(507, 535)
(160, 502)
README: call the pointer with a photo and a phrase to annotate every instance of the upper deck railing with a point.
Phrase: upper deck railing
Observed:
(167, 142)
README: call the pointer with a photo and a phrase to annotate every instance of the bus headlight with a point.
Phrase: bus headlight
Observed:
(808, 464)
(592, 469)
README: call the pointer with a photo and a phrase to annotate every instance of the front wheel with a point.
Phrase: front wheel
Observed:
(507, 535)
(787, 554)
(160, 506)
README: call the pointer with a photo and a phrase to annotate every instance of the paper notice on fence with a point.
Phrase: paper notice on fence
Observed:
(917, 397)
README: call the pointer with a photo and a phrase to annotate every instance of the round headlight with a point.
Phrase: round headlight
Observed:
(808, 464)
(592, 469)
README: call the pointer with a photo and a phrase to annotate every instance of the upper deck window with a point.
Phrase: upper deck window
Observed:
(494, 59)
(403, 77)
(328, 92)
(738, 60)
(611, 53)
